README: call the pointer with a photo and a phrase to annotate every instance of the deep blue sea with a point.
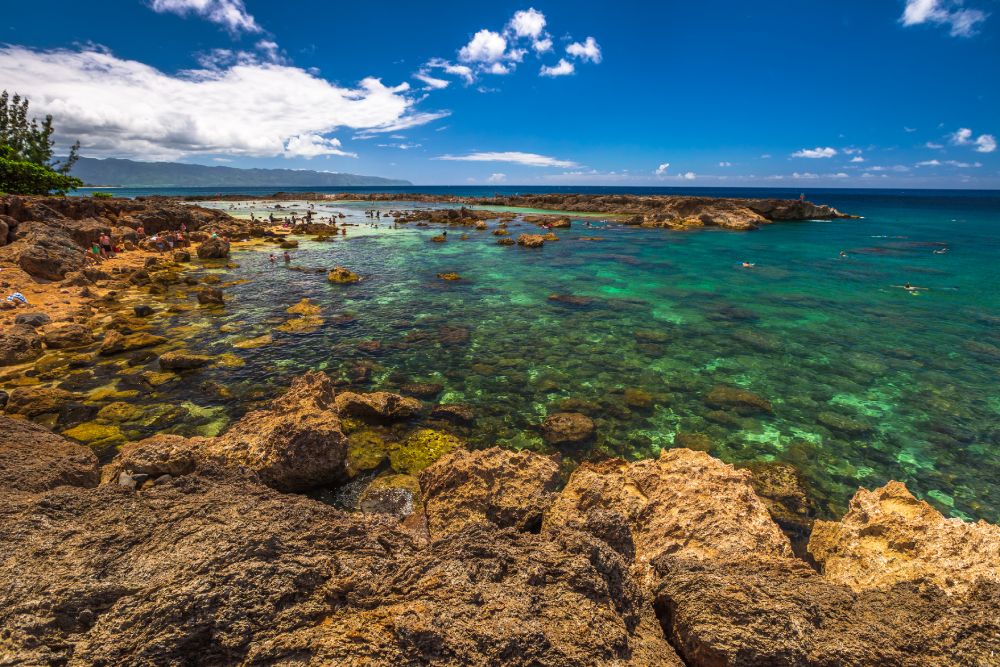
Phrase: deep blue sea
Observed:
(867, 381)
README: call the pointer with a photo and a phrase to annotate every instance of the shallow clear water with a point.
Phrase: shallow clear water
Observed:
(867, 381)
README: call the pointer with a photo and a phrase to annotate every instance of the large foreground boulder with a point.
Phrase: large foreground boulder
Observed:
(193, 571)
(763, 611)
(495, 486)
(294, 445)
(685, 502)
(888, 536)
(487, 597)
(33, 459)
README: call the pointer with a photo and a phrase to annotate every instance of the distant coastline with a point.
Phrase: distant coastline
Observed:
(120, 173)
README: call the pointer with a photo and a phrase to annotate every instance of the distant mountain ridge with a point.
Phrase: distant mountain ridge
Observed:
(130, 173)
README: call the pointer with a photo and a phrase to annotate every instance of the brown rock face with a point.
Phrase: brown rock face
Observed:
(66, 335)
(565, 428)
(778, 611)
(684, 503)
(888, 536)
(19, 344)
(33, 459)
(487, 597)
(295, 445)
(164, 454)
(378, 406)
(497, 486)
(531, 240)
(114, 577)
(213, 248)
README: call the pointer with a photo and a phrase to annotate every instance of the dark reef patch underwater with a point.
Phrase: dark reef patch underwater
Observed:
(807, 358)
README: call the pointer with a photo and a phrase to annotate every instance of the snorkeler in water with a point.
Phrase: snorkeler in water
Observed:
(748, 265)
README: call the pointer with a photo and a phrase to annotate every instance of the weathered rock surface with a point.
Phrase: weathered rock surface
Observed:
(19, 344)
(33, 459)
(496, 486)
(158, 455)
(183, 360)
(770, 611)
(888, 536)
(199, 569)
(486, 597)
(214, 247)
(342, 276)
(115, 342)
(294, 445)
(684, 503)
(66, 335)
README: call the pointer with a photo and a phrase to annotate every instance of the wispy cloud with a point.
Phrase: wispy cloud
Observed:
(431, 82)
(231, 14)
(515, 157)
(961, 22)
(662, 169)
(815, 153)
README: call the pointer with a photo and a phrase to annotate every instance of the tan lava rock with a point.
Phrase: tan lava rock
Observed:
(163, 454)
(888, 536)
(342, 276)
(685, 503)
(294, 445)
(379, 405)
(531, 240)
(213, 248)
(498, 486)
(485, 597)
(66, 335)
(19, 344)
(198, 569)
(778, 611)
(34, 459)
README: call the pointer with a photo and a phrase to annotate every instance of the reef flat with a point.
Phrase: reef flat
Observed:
(677, 212)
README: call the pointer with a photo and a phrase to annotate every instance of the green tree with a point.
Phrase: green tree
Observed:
(27, 165)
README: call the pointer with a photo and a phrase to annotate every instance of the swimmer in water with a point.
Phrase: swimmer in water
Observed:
(288, 257)
(272, 258)
(748, 265)
(843, 253)
(940, 251)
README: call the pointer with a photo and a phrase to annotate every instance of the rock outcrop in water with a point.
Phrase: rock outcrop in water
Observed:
(48, 236)
(187, 552)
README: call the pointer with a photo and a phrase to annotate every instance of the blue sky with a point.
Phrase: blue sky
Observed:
(886, 93)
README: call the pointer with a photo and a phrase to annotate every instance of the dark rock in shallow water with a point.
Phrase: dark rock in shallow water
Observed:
(843, 423)
(564, 428)
(379, 406)
(421, 389)
(211, 296)
(213, 248)
(741, 400)
(143, 311)
(457, 414)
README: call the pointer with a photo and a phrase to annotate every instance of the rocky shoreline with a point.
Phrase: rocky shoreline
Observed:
(673, 212)
(202, 547)
(225, 548)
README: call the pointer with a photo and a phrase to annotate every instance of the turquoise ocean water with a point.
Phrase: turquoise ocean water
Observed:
(867, 381)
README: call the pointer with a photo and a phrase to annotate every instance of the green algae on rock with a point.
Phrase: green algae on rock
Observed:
(420, 449)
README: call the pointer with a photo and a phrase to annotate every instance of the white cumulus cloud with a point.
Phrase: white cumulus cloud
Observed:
(497, 178)
(542, 45)
(514, 157)
(814, 153)
(232, 14)
(662, 169)
(126, 108)
(528, 23)
(962, 22)
(984, 143)
(857, 158)
(588, 50)
(485, 46)
(562, 68)
(689, 176)
(313, 145)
